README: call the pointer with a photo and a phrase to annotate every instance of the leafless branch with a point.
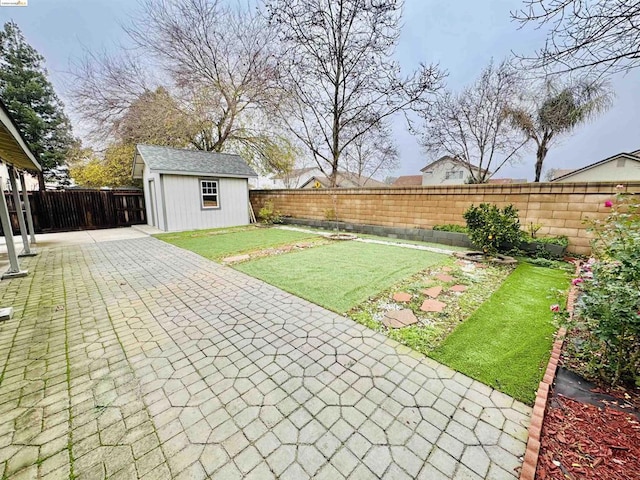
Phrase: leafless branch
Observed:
(472, 125)
(601, 36)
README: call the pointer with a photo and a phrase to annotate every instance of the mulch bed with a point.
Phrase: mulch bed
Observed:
(581, 441)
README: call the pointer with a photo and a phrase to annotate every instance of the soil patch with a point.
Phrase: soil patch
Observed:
(269, 252)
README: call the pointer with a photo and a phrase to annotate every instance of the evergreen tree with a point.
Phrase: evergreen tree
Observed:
(33, 103)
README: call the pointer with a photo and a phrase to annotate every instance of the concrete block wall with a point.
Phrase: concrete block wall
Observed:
(561, 208)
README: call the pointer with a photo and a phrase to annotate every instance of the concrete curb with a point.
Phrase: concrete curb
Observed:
(532, 452)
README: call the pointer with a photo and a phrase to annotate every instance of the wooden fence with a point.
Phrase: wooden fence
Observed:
(67, 210)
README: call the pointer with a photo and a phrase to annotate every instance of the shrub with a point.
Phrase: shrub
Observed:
(608, 311)
(451, 228)
(561, 240)
(330, 214)
(268, 214)
(491, 229)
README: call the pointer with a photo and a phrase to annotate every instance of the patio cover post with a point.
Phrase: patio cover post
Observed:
(27, 207)
(14, 266)
(26, 252)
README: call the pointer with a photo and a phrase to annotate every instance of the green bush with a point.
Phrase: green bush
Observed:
(608, 311)
(493, 230)
(268, 214)
(561, 240)
(450, 227)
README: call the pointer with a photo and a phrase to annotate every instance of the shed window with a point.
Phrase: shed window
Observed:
(451, 174)
(209, 193)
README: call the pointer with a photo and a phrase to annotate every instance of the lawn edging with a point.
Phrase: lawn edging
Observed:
(532, 452)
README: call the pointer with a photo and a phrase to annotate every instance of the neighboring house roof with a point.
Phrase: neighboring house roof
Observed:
(630, 156)
(561, 172)
(502, 181)
(344, 180)
(180, 161)
(13, 147)
(451, 159)
(408, 181)
(296, 172)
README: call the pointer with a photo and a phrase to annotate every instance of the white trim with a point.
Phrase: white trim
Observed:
(12, 128)
(202, 194)
(202, 174)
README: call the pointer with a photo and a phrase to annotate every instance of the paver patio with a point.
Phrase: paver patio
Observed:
(136, 359)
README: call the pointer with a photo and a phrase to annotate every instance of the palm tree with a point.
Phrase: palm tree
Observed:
(554, 110)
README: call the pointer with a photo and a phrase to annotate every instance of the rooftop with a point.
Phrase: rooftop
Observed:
(183, 161)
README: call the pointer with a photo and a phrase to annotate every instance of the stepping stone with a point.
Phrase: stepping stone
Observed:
(458, 288)
(399, 318)
(446, 269)
(237, 258)
(432, 292)
(444, 277)
(402, 297)
(431, 305)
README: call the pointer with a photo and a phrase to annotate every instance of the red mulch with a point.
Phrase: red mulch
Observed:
(581, 441)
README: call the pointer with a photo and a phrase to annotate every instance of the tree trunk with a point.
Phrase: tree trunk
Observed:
(42, 186)
(541, 153)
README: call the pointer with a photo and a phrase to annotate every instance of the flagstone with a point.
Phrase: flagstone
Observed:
(432, 292)
(458, 288)
(431, 305)
(402, 297)
(399, 318)
(444, 277)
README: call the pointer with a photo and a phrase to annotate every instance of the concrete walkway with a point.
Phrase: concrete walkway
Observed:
(135, 359)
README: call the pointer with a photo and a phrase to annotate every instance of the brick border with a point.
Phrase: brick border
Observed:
(530, 463)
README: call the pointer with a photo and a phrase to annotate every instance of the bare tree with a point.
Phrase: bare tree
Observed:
(553, 110)
(601, 35)
(336, 63)
(372, 153)
(216, 61)
(474, 126)
(155, 118)
(104, 87)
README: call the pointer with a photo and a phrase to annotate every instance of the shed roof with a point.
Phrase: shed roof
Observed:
(13, 147)
(181, 161)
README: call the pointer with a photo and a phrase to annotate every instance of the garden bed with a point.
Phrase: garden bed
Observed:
(501, 324)
(581, 441)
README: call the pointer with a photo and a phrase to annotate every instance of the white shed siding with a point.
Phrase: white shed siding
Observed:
(183, 203)
(152, 200)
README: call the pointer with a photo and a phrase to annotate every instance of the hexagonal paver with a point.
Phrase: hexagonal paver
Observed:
(166, 365)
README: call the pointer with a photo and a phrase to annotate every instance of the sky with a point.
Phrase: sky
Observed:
(461, 36)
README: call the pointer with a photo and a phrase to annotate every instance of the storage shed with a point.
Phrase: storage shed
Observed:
(192, 189)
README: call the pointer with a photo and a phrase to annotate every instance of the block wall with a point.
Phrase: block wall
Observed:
(561, 208)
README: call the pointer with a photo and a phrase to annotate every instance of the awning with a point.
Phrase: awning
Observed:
(13, 148)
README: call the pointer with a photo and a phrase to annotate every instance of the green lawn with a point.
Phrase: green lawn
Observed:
(340, 275)
(506, 343)
(217, 244)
